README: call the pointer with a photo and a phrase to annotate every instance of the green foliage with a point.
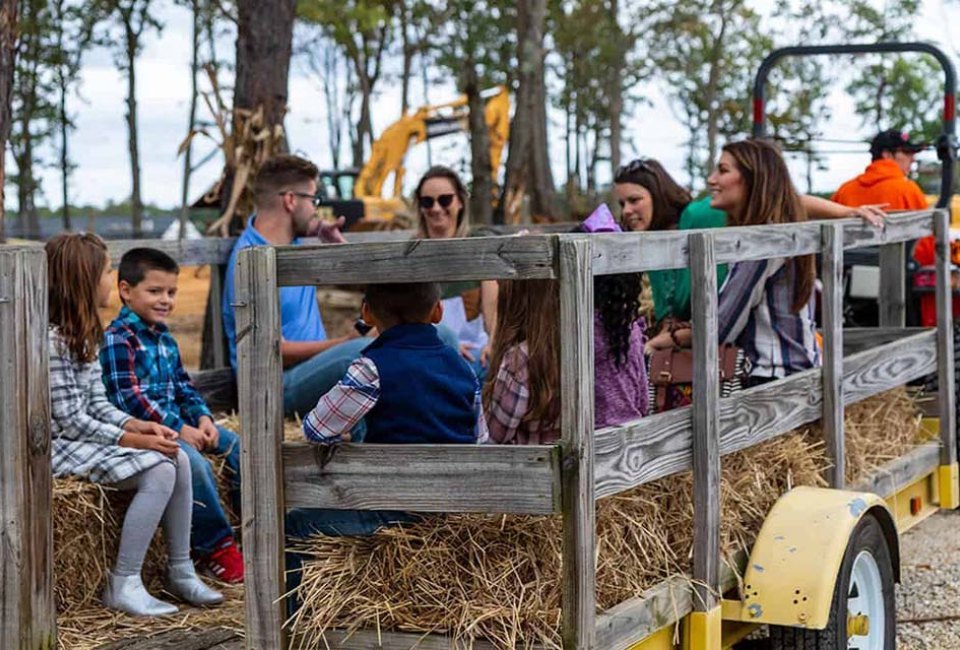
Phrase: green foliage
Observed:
(706, 52)
(891, 91)
(478, 33)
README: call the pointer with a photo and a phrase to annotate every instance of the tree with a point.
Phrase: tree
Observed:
(8, 57)
(125, 22)
(528, 161)
(475, 47)
(363, 29)
(707, 52)
(894, 91)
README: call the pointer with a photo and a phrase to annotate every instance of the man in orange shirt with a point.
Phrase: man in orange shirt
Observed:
(885, 181)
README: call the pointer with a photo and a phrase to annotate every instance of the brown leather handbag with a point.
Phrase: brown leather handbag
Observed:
(675, 366)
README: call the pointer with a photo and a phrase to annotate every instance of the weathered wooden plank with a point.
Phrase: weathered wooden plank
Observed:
(380, 236)
(576, 420)
(887, 366)
(858, 339)
(832, 308)
(187, 252)
(216, 317)
(218, 387)
(261, 416)
(706, 423)
(215, 639)
(638, 618)
(423, 478)
(27, 609)
(902, 471)
(660, 445)
(374, 640)
(893, 285)
(654, 447)
(418, 260)
(945, 360)
(626, 252)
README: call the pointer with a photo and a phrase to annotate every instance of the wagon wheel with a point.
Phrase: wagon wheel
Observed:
(862, 614)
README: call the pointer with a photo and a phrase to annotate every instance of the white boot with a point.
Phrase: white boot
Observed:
(184, 583)
(128, 594)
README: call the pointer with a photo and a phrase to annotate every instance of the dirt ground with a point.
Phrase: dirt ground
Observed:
(186, 321)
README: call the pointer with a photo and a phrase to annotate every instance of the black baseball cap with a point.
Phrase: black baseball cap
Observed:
(894, 140)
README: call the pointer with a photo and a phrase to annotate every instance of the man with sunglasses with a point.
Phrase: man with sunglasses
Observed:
(285, 195)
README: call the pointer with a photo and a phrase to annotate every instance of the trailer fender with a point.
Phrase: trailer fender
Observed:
(792, 571)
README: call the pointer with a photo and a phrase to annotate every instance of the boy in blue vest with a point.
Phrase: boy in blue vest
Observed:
(407, 387)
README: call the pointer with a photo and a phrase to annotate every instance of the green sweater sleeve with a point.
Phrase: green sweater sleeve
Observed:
(671, 288)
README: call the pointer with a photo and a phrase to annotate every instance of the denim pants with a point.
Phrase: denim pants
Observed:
(301, 523)
(210, 523)
(307, 381)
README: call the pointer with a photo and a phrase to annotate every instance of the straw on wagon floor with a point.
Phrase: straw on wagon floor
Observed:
(498, 577)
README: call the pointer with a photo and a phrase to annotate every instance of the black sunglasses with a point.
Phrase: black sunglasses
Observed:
(638, 165)
(316, 199)
(445, 201)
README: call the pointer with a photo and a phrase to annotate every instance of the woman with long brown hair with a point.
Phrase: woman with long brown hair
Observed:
(469, 308)
(766, 306)
(94, 440)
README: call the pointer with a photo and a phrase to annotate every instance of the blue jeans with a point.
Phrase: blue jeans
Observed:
(304, 383)
(210, 523)
(301, 523)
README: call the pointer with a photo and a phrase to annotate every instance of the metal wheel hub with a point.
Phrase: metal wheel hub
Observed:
(866, 618)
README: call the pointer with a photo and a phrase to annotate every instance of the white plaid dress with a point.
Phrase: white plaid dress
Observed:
(86, 427)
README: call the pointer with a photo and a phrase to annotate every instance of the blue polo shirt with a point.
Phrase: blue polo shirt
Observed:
(299, 314)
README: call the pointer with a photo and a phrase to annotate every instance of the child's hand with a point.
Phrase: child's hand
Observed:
(151, 428)
(193, 437)
(149, 441)
(210, 431)
(465, 351)
(485, 356)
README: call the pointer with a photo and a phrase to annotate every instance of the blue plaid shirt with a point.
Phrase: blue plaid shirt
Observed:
(144, 376)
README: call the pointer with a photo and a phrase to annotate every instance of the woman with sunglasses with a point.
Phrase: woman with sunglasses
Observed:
(469, 309)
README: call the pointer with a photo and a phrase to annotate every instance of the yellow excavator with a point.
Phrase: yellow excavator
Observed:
(358, 195)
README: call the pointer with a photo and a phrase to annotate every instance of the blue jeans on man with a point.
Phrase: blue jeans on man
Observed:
(210, 522)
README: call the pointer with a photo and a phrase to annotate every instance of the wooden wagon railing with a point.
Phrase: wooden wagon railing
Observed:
(565, 478)
(587, 464)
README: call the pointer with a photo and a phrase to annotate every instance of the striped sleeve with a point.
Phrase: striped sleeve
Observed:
(344, 405)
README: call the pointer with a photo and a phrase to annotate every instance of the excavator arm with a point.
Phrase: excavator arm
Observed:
(426, 123)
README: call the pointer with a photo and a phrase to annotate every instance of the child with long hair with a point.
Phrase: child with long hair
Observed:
(522, 395)
(95, 441)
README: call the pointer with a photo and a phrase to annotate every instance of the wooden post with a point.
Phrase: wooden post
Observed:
(27, 610)
(832, 309)
(260, 382)
(706, 429)
(576, 422)
(945, 360)
(892, 299)
(216, 317)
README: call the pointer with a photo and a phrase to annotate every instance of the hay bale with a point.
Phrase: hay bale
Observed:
(86, 526)
(498, 577)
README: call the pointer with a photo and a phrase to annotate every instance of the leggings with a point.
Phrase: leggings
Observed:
(164, 494)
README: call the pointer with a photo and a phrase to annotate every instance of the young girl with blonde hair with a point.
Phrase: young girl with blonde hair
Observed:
(95, 441)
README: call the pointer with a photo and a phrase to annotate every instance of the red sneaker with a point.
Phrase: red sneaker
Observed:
(225, 563)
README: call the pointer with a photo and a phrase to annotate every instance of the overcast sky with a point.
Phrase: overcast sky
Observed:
(99, 144)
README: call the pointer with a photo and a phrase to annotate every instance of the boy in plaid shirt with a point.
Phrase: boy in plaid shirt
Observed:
(144, 377)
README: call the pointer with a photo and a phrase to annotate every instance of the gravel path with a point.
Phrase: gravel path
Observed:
(931, 585)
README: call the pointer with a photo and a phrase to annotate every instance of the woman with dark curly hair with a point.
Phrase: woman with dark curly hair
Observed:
(522, 394)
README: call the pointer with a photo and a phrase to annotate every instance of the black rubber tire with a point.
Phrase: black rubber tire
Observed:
(867, 536)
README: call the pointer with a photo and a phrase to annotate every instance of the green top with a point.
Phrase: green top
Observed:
(671, 288)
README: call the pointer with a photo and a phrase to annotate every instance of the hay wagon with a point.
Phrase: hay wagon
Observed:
(825, 561)
(814, 544)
